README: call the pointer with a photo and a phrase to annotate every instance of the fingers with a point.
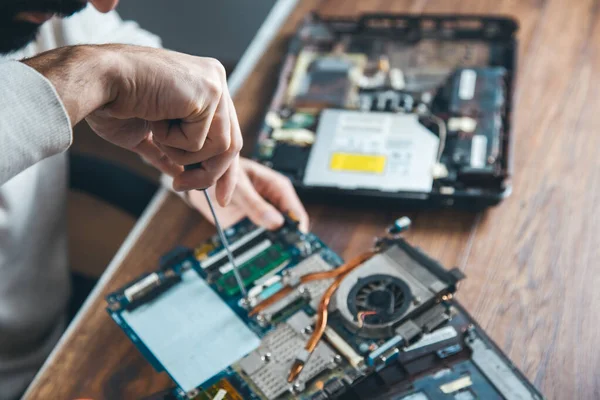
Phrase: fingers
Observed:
(218, 149)
(278, 190)
(206, 131)
(227, 215)
(215, 168)
(190, 142)
(184, 101)
(226, 185)
(152, 154)
(255, 206)
(210, 172)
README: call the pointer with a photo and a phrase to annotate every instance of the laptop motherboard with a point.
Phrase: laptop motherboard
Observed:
(383, 325)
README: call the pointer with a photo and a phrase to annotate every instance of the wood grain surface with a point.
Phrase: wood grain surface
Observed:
(531, 262)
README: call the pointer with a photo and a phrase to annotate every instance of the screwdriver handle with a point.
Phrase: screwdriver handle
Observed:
(197, 165)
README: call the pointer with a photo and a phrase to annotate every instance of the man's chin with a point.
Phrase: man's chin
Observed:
(11, 41)
(34, 17)
(21, 21)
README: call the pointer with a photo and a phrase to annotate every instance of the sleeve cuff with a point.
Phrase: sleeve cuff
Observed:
(34, 123)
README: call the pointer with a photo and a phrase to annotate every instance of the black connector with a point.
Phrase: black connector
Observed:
(166, 283)
(175, 257)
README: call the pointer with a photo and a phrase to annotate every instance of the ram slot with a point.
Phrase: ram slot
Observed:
(238, 247)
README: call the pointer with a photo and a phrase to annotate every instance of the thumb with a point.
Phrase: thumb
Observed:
(255, 206)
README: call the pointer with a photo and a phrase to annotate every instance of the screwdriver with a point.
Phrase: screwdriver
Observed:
(236, 273)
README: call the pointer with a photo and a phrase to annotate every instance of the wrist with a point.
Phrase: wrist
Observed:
(83, 77)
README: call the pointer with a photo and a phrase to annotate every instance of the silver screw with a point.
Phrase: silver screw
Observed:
(261, 320)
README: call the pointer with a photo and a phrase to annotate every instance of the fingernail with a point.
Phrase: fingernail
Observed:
(272, 219)
(227, 199)
(177, 187)
(304, 228)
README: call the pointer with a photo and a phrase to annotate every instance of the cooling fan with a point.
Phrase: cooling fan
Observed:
(387, 290)
(379, 299)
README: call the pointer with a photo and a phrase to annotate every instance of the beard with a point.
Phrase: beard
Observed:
(16, 34)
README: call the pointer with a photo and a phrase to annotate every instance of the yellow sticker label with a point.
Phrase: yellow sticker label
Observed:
(357, 163)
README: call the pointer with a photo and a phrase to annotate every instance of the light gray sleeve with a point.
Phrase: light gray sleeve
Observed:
(34, 124)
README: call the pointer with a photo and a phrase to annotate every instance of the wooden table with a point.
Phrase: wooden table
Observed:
(531, 262)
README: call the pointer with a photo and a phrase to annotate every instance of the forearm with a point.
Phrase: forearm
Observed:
(83, 77)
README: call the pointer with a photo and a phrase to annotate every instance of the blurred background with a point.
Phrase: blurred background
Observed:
(202, 28)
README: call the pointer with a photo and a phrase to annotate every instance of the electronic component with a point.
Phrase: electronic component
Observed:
(427, 64)
(300, 121)
(344, 348)
(378, 151)
(290, 159)
(395, 324)
(266, 148)
(415, 396)
(334, 387)
(151, 290)
(298, 136)
(399, 225)
(315, 289)
(264, 289)
(449, 351)
(319, 396)
(462, 124)
(273, 120)
(395, 113)
(322, 80)
(408, 331)
(483, 150)
(252, 265)
(374, 79)
(436, 336)
(380, 355)
(268, 366)
(496, 370)
(456, 385)
(141, 287)
(391, 287)
(432, 318)
(285, 307)
(175, 331)
(237, 246)
(176, 256)
(477, 90)
(222, 390)
(304, 294)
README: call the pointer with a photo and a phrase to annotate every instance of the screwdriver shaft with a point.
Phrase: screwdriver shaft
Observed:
(226, 246)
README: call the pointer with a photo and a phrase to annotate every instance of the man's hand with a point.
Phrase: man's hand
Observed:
(171, 108)
(261, 194)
